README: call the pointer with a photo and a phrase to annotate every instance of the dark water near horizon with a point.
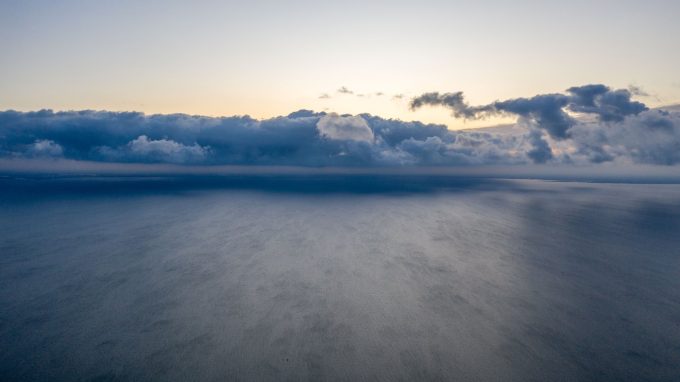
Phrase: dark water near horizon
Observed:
(269, 279)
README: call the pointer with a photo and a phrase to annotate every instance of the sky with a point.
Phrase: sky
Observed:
(269, 58)
(340, 84)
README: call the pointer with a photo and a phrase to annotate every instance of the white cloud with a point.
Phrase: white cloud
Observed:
(161, 150)
(45, 148)
(353, 128)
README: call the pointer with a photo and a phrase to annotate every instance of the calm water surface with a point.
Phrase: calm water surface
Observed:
(399, 280)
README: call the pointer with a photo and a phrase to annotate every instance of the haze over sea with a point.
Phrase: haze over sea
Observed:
(338, 277)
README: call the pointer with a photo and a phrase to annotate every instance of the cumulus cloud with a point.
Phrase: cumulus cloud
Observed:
(348, 127)
(549, 129)
(556, 114)
(143, 149)
(44, 148)
(652, 137)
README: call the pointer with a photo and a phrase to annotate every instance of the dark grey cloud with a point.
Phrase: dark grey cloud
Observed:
(541, 151)
(302, 138)
(557, 115)
(607, 104)
(546, 111)
(454, 101)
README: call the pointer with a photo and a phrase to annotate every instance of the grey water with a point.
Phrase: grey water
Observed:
(268, 279)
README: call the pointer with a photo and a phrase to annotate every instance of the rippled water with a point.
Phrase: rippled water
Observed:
(402, 279)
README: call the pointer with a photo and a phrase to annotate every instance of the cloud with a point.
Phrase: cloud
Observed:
(555, 113)
(608, 105)
(44, 148)
(344, 90)
(546, 111)
(638, 91)
(651, 137)
(550, 129)
(324, 96)
(454, 101)
(302, 138)
(540, 151)
(353, 128)
(143, 149)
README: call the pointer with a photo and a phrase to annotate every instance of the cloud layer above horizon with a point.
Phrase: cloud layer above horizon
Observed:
(587, 124)
(591, 123)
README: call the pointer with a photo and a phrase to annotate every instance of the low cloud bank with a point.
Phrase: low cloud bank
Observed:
(303, 138)
(550, 129)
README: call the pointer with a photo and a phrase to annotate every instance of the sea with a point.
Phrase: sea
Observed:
(338, 277)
